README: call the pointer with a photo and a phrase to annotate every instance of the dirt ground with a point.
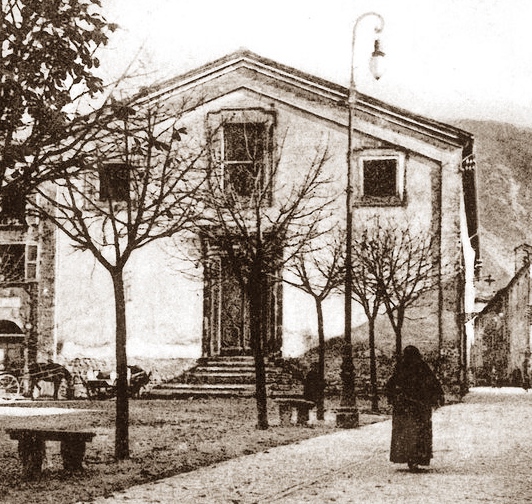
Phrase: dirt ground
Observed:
(166, 438)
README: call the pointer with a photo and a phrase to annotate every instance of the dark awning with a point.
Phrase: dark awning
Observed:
(7, 327)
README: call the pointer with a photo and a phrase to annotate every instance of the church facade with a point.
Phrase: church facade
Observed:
(407, 168)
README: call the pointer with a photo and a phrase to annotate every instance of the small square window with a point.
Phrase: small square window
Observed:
(380, 178)
(114, 182)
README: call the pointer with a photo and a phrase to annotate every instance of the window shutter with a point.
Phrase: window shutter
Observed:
(32, 254)
(214, 132)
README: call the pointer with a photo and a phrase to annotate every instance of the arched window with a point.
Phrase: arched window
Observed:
(11, 345)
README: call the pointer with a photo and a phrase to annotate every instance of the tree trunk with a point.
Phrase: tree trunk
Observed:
(122, 406)
(397, 325)
(373, 366)
(256, 297)
(320, 406)
(398, 344)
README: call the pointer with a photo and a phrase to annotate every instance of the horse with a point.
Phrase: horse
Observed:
(50, 372)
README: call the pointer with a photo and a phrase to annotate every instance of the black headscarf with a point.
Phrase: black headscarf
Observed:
(414, 379)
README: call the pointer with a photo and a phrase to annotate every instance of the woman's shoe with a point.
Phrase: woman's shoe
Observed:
(413, 467)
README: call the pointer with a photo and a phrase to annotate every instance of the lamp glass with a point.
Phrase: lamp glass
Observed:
(376, 66)
(376, 63)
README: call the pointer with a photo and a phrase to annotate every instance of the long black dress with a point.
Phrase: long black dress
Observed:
(413, 390)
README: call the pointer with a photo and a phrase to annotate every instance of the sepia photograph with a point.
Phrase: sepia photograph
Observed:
(258, 253)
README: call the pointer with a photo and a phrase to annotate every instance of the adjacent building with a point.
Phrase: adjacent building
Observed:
(500, 354)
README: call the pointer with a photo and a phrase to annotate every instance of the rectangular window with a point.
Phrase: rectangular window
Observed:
(381, 177)
(18, 262)
(114, 182)
(244, 148)
(12, 262)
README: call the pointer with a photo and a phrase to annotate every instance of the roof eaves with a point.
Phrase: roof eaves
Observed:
(413, 121)
(249, 60)
(324, 88)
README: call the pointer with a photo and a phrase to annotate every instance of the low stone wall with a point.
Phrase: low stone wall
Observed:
(445, 366)
(161, 370)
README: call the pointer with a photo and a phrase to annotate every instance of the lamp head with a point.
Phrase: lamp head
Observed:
(376, 64)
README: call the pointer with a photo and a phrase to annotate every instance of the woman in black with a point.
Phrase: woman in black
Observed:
(413, 390)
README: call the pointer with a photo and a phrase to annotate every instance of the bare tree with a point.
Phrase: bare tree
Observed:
(317, 271)
(136, 186)
(257, 223)
(402, 264)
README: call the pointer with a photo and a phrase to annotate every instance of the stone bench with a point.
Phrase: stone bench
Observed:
(347, 417)
(288, 404)
(32, 448)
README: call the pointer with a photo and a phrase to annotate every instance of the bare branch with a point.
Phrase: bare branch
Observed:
(393, 266)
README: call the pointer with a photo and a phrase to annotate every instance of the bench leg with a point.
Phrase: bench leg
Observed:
(72, 452)
(285, 414)
(31, 450)
(302, 415)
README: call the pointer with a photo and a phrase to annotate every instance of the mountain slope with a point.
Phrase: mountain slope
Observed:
(504, 178)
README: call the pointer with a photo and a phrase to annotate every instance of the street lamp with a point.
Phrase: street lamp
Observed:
(347, 414)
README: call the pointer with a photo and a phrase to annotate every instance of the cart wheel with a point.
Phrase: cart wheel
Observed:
(9, 387)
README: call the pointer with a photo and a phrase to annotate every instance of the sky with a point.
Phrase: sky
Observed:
(445, 59)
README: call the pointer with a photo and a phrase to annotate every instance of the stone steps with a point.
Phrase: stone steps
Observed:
(222, 377)
(187, 390)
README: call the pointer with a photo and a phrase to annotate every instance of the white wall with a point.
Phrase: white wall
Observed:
(164, 309)
(163, 306)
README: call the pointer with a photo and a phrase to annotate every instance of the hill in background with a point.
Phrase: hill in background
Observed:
(504, 162)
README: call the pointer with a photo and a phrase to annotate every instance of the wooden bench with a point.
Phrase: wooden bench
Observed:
(32, 448)
(288, 404)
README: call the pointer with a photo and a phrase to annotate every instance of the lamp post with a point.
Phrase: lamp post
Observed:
(347, 414)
